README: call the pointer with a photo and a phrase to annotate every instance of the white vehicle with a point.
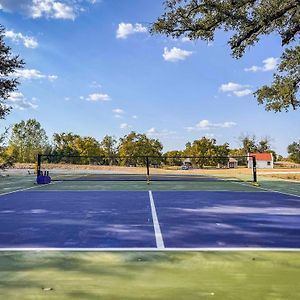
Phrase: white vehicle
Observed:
(185, 167)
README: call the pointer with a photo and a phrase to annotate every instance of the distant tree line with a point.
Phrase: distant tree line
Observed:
(27, 139)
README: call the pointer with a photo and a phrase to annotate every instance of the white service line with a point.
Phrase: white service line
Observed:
(270, 190)
(25, 189)
(21, 190)
(158, 235)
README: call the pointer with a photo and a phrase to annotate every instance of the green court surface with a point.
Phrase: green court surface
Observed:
(193, 275)
(155, 186)
(224, 275)
(13, 183)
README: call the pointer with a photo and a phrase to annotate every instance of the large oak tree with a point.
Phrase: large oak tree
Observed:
(8, 65)
(248, 20)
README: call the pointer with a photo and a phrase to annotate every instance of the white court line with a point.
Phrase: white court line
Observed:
(204, 249)
(21, 190)
(25, 189)
(270, 190)
(158, 235)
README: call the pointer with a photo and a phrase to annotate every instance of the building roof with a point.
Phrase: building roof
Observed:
(232, 160)
(261, 156)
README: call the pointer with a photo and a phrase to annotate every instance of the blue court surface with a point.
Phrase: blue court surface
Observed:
(159, 220)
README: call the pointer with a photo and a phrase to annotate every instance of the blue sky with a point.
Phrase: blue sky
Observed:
(93, 69)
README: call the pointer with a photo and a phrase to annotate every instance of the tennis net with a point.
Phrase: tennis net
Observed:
(147, 168)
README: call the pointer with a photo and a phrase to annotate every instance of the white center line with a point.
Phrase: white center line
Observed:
(158, 235)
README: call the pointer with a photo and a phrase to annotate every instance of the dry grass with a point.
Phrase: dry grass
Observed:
(286, 176)
(280, 173)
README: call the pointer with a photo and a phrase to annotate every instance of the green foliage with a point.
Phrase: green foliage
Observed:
(204, 150)
(109, 146)
(63, 144)
(6, 161)
(109, 149)
(294, 152)
(250, 144)
(8, 65)
(27, 139)
(136, 144)
(69, 144)
(248, 20)
(279, 158)
(282, 93)
(173, 158)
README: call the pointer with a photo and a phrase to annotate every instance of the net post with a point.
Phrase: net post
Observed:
(148, 169)
(38, 165)
(254, 168)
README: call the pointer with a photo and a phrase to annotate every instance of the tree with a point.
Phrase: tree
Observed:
(109, 148)
(264, 145)
(205, 151)
(27, 139)
(135, 146)
(63, 144)
(69, 144)
(108, 144)
(173, 158)
(283, 92)
(248, 20)
(5, 160)
(87, 146)
(294, 152)
(8, 65)
(249, 144)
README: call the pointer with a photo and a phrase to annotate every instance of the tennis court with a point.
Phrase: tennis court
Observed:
(202, 214)
(209, 237)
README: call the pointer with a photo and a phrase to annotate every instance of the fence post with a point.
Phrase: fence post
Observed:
(148, 170)
(254, 169)
(38, 165)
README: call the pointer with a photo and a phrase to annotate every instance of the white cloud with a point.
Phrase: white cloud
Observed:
(230, 86)
(253, 69)
(67, 98)
(134, 117)
(185, 39)
(30, 74)
(269, 64)
(175, 54)
(52, 9)
(17, 100)
(207, 125)
(209, 135)
(237, 89)
(17, 37)
(95, 84)
(153, 132)
(52, 77)
(98, 97)
(125, 126)
(126, 29)
(243, 93)
(118, 111)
